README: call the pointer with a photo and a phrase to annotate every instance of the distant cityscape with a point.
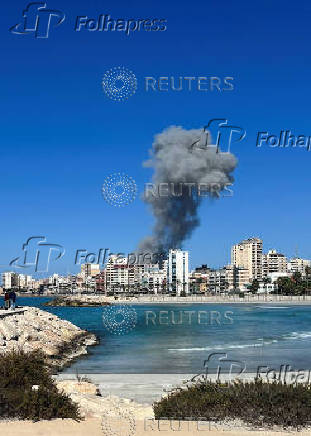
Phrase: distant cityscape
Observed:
(249, 265)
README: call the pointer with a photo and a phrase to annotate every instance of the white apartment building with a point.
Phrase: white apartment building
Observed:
(14, 280)
(273, 262)
(274, 276)
(248, 254)
(119, 275)
(7, 280)
(298, 265)
(25, 281)
(178, 271)
(154, 277)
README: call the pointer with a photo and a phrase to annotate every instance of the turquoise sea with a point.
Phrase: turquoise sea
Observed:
(178, 340)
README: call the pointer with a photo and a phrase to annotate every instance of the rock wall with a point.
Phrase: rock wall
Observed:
(35, 329)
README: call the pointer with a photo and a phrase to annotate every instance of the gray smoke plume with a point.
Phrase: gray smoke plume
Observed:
(180, 157)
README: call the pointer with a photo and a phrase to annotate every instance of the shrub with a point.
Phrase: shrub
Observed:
(256, 403)
(19, 372)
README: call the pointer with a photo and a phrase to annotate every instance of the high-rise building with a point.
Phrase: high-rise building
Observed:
(273, 262)
(10, 280)
(178, 271)
(236, 277)
(90, 269)
(119, 276)
(228, 278)
(248, 254)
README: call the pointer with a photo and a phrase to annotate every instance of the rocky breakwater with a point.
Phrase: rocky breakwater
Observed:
(34, 329)
(75, 301)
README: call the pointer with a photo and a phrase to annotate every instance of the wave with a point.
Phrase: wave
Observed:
(292, 336)
(224, 347)
(297, 335)
(273, 307)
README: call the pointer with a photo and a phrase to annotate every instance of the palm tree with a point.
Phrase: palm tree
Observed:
(308, 274)
(266, 281)
(254, 286)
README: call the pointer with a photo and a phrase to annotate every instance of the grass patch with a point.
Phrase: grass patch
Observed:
(19, 372)
(257, 404)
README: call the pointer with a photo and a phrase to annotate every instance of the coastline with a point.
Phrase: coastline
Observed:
(159, 299)
(102, 300)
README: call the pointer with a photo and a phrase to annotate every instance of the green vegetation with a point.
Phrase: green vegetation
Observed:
(19, 372)
(295, 285)
(254, 286)
(256, 403)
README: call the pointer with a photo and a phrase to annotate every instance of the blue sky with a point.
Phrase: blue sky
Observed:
(61, 136)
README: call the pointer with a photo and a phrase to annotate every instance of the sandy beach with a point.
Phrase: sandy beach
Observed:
(93, 426)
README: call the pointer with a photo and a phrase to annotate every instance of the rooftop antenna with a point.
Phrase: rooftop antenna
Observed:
(296, 251)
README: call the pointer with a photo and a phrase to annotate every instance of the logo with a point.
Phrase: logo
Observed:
(37, 253)
(227, 370)
(119, 189)
(117, 422)
(285, 139)
(119, 320)
(119, 83)
(222, 133)
(37, 20)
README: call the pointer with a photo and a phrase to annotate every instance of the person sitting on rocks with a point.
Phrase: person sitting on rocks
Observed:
(12, 296)
(6, 300)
